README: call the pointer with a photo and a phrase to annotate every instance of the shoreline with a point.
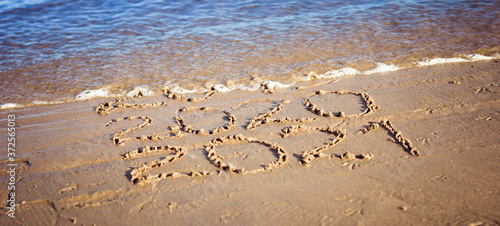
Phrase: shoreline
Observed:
(69, 169)
(255, 84)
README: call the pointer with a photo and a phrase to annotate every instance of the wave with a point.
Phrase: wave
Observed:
(466, 58)
(256, 83)
(10, 105)
(8, 5)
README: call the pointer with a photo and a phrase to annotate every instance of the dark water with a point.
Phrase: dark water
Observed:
(55, 49)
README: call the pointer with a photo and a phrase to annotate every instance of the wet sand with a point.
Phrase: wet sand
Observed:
(416, 146)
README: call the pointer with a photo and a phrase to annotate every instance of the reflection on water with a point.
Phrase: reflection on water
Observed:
(55, 49)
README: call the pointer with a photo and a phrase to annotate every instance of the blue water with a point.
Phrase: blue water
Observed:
(55, 49)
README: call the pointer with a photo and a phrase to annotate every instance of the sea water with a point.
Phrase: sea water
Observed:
(54, 51)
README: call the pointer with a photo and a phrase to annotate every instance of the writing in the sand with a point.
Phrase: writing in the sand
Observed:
(139, 174)
(11, 165)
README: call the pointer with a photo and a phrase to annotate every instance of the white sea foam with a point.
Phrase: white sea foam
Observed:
(36, 102)
(253, 86)
(39, 102)
(176, 88)
(145, 91)
(275, 85)
(464, 58)
(478, 57)
(10, 105)
(348, 71)
(434, 61)
(221, 88)
(89, 94)
(228, 87)
(381, 68)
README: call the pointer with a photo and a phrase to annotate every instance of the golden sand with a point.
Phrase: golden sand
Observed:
(417, 146)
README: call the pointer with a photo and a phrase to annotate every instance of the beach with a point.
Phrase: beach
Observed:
(415, 146)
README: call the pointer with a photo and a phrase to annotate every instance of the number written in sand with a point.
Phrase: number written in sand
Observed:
(120, 139)
(188, 128)
(139, 175)
(266, 118)
(319, 152)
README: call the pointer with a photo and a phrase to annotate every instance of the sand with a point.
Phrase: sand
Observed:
(416, 146)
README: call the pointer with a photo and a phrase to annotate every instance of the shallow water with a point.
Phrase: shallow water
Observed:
(56, 49)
